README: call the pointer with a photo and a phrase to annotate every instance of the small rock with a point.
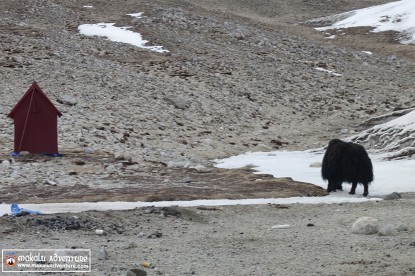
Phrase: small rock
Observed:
(51, 182)
(67, 100)
(136, 272)
(119, 155)
(55, 53)
(263, 147)
(281, 226)
(392, 57)
(202, 169)
(388, 230)
(110, 168)
(72, 223)
(393, 196)
(402, 227)
(131, 246)
(366, 226)
(178, 102)
(179, 164)
(17, 58)
(89, 150)
(155, 234)
(6, 230)
(102, 254)
(315, 165)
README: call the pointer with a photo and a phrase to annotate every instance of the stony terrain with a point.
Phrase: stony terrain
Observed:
(239, 76)
(230, 83)
(233, 240)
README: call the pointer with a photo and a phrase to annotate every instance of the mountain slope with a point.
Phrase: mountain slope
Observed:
(230, 83)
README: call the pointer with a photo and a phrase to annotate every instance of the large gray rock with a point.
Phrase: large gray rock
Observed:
(366, 226)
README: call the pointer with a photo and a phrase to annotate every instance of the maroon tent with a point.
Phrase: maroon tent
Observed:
(35, 123)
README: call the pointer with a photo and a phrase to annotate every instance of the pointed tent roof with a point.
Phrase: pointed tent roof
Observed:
(34, 87)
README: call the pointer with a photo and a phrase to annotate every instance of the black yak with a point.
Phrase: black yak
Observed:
(346, 162)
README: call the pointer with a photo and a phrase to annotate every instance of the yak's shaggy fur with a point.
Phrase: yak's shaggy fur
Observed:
(346, 162)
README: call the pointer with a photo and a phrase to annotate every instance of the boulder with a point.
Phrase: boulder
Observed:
(366, 226)
(392, 196)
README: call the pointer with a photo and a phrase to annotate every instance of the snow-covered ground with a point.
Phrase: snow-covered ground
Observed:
(390, 176)
(394, 139)
(50, 208)
(119, 34)
(395, 16)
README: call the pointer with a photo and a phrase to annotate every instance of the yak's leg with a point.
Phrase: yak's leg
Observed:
(353, 190)
(334, 186)
(330, 187)
(339, 186)
(366, 191)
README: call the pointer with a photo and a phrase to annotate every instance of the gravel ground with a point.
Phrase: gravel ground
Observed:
(231, 83)
(240, 76)
(233, 240)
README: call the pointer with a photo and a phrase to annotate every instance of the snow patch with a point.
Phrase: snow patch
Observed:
(119, 34)
(395, 16)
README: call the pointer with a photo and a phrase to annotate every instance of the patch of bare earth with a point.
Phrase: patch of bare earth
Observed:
(144, 182)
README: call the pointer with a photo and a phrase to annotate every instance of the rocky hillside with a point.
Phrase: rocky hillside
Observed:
(239, 76)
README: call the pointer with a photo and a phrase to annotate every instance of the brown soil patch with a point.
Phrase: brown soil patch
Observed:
(144, 182)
